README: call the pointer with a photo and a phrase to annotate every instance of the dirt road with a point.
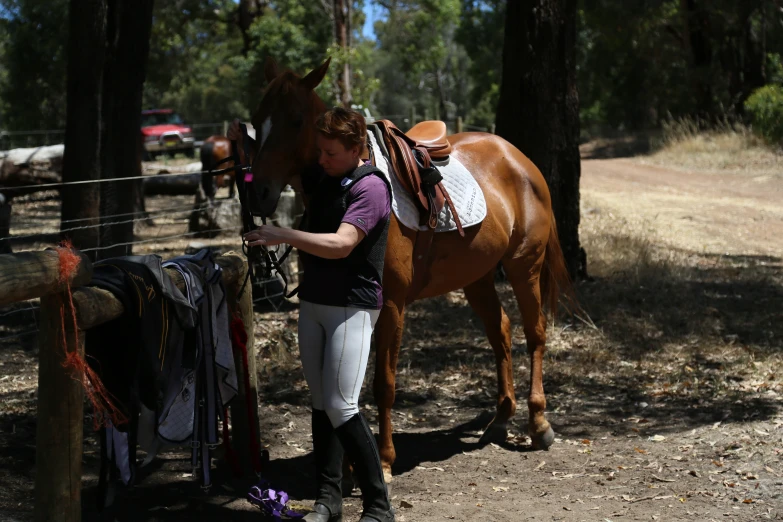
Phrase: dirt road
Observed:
(735, 213)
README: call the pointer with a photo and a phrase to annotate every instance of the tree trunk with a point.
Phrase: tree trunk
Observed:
(82, 159)
(342, 36)
(5, 225)
(697, 31)
(128, 35)
(538, 111)
(754, 51)
(247, 12)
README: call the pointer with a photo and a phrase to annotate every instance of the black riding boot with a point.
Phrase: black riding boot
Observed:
(359, 444)
(328, 470)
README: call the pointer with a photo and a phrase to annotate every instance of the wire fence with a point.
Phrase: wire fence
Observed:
(165, 228)
(44, 137)
(33, 138)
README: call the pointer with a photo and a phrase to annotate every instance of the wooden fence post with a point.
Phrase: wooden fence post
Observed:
(58, 454)
(459, 124)
(492, 129)
(28, 275)
(242, 426)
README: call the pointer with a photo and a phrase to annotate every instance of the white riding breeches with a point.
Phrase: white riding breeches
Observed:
(334, 345)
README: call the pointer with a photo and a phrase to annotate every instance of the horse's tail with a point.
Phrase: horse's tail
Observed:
(208, 182)
(556, 284)
(207, 160)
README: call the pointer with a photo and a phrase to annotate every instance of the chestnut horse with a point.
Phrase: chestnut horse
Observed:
(519, 232)
(215, 149)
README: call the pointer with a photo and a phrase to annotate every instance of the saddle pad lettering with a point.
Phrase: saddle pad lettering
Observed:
(465, 192)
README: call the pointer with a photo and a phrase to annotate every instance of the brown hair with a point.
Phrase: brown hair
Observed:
(345, 125)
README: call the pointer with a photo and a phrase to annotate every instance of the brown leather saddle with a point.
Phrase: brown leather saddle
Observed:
(411, 157)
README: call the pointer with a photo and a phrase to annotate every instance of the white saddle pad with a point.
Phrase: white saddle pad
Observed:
(465, 192)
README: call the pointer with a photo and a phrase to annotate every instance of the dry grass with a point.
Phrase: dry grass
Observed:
(680, 305)
(731, 147)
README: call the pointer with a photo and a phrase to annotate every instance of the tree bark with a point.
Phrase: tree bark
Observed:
(247, 12)
(82, 159)
(697, 30)
(5, 225)
(538, 110)
(754, 51)
(342, 36)
(128, 35)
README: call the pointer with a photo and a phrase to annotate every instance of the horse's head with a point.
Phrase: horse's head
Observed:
(285, 133)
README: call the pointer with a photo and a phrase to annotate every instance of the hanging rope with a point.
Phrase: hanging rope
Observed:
(74, 362)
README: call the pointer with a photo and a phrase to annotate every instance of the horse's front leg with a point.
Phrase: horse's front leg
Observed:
(388, 336)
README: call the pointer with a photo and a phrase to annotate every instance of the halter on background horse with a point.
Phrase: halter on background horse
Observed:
(519, 231)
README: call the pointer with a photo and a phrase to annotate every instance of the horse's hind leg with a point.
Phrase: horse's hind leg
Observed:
(483, 298)
(524, 272)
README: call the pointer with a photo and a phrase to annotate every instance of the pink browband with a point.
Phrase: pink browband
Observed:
(248, 177)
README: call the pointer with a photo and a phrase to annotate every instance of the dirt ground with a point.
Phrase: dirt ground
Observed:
(668, 408)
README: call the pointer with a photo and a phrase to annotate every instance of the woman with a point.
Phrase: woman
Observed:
(342, 249)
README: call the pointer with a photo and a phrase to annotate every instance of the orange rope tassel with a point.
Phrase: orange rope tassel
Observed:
(96, 392)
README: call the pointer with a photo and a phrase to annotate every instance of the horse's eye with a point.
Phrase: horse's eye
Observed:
(297, 123)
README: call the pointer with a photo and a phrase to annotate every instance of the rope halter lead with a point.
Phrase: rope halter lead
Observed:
(243, 177)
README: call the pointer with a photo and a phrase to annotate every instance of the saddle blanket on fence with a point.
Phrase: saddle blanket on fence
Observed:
(465, 192)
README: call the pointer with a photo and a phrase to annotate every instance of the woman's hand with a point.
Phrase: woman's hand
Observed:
(267, 235)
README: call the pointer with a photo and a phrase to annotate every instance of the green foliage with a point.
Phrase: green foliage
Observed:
(419, 63)
(299, 35)
(480, 32)
(363, 86)
(775, 68)
(765, 106)
(32, 81)
(191, 67)
(440, 58)
(295, 33)
(636, 65)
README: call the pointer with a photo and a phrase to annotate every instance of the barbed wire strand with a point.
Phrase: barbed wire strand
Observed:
(105, 180)
(140, 213)
(29, 332)
(196, 209)
(21, 310)
(156, 239)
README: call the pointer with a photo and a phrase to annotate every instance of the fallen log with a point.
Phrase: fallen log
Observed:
(186, 184)
(34, 166)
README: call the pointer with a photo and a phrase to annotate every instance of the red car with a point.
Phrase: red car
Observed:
(164, 132)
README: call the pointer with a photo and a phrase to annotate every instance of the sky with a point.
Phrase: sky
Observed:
(373, 13)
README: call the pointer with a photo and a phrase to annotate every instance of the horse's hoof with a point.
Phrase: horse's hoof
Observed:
(543, 441)
(496, 432)
(387, 475)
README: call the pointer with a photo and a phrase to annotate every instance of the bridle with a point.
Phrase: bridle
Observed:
(264, 256)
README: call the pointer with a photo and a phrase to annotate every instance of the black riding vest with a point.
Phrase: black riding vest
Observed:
(352, 280)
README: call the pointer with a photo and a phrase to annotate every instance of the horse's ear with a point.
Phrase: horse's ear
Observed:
(315, 76)
(270, 69)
